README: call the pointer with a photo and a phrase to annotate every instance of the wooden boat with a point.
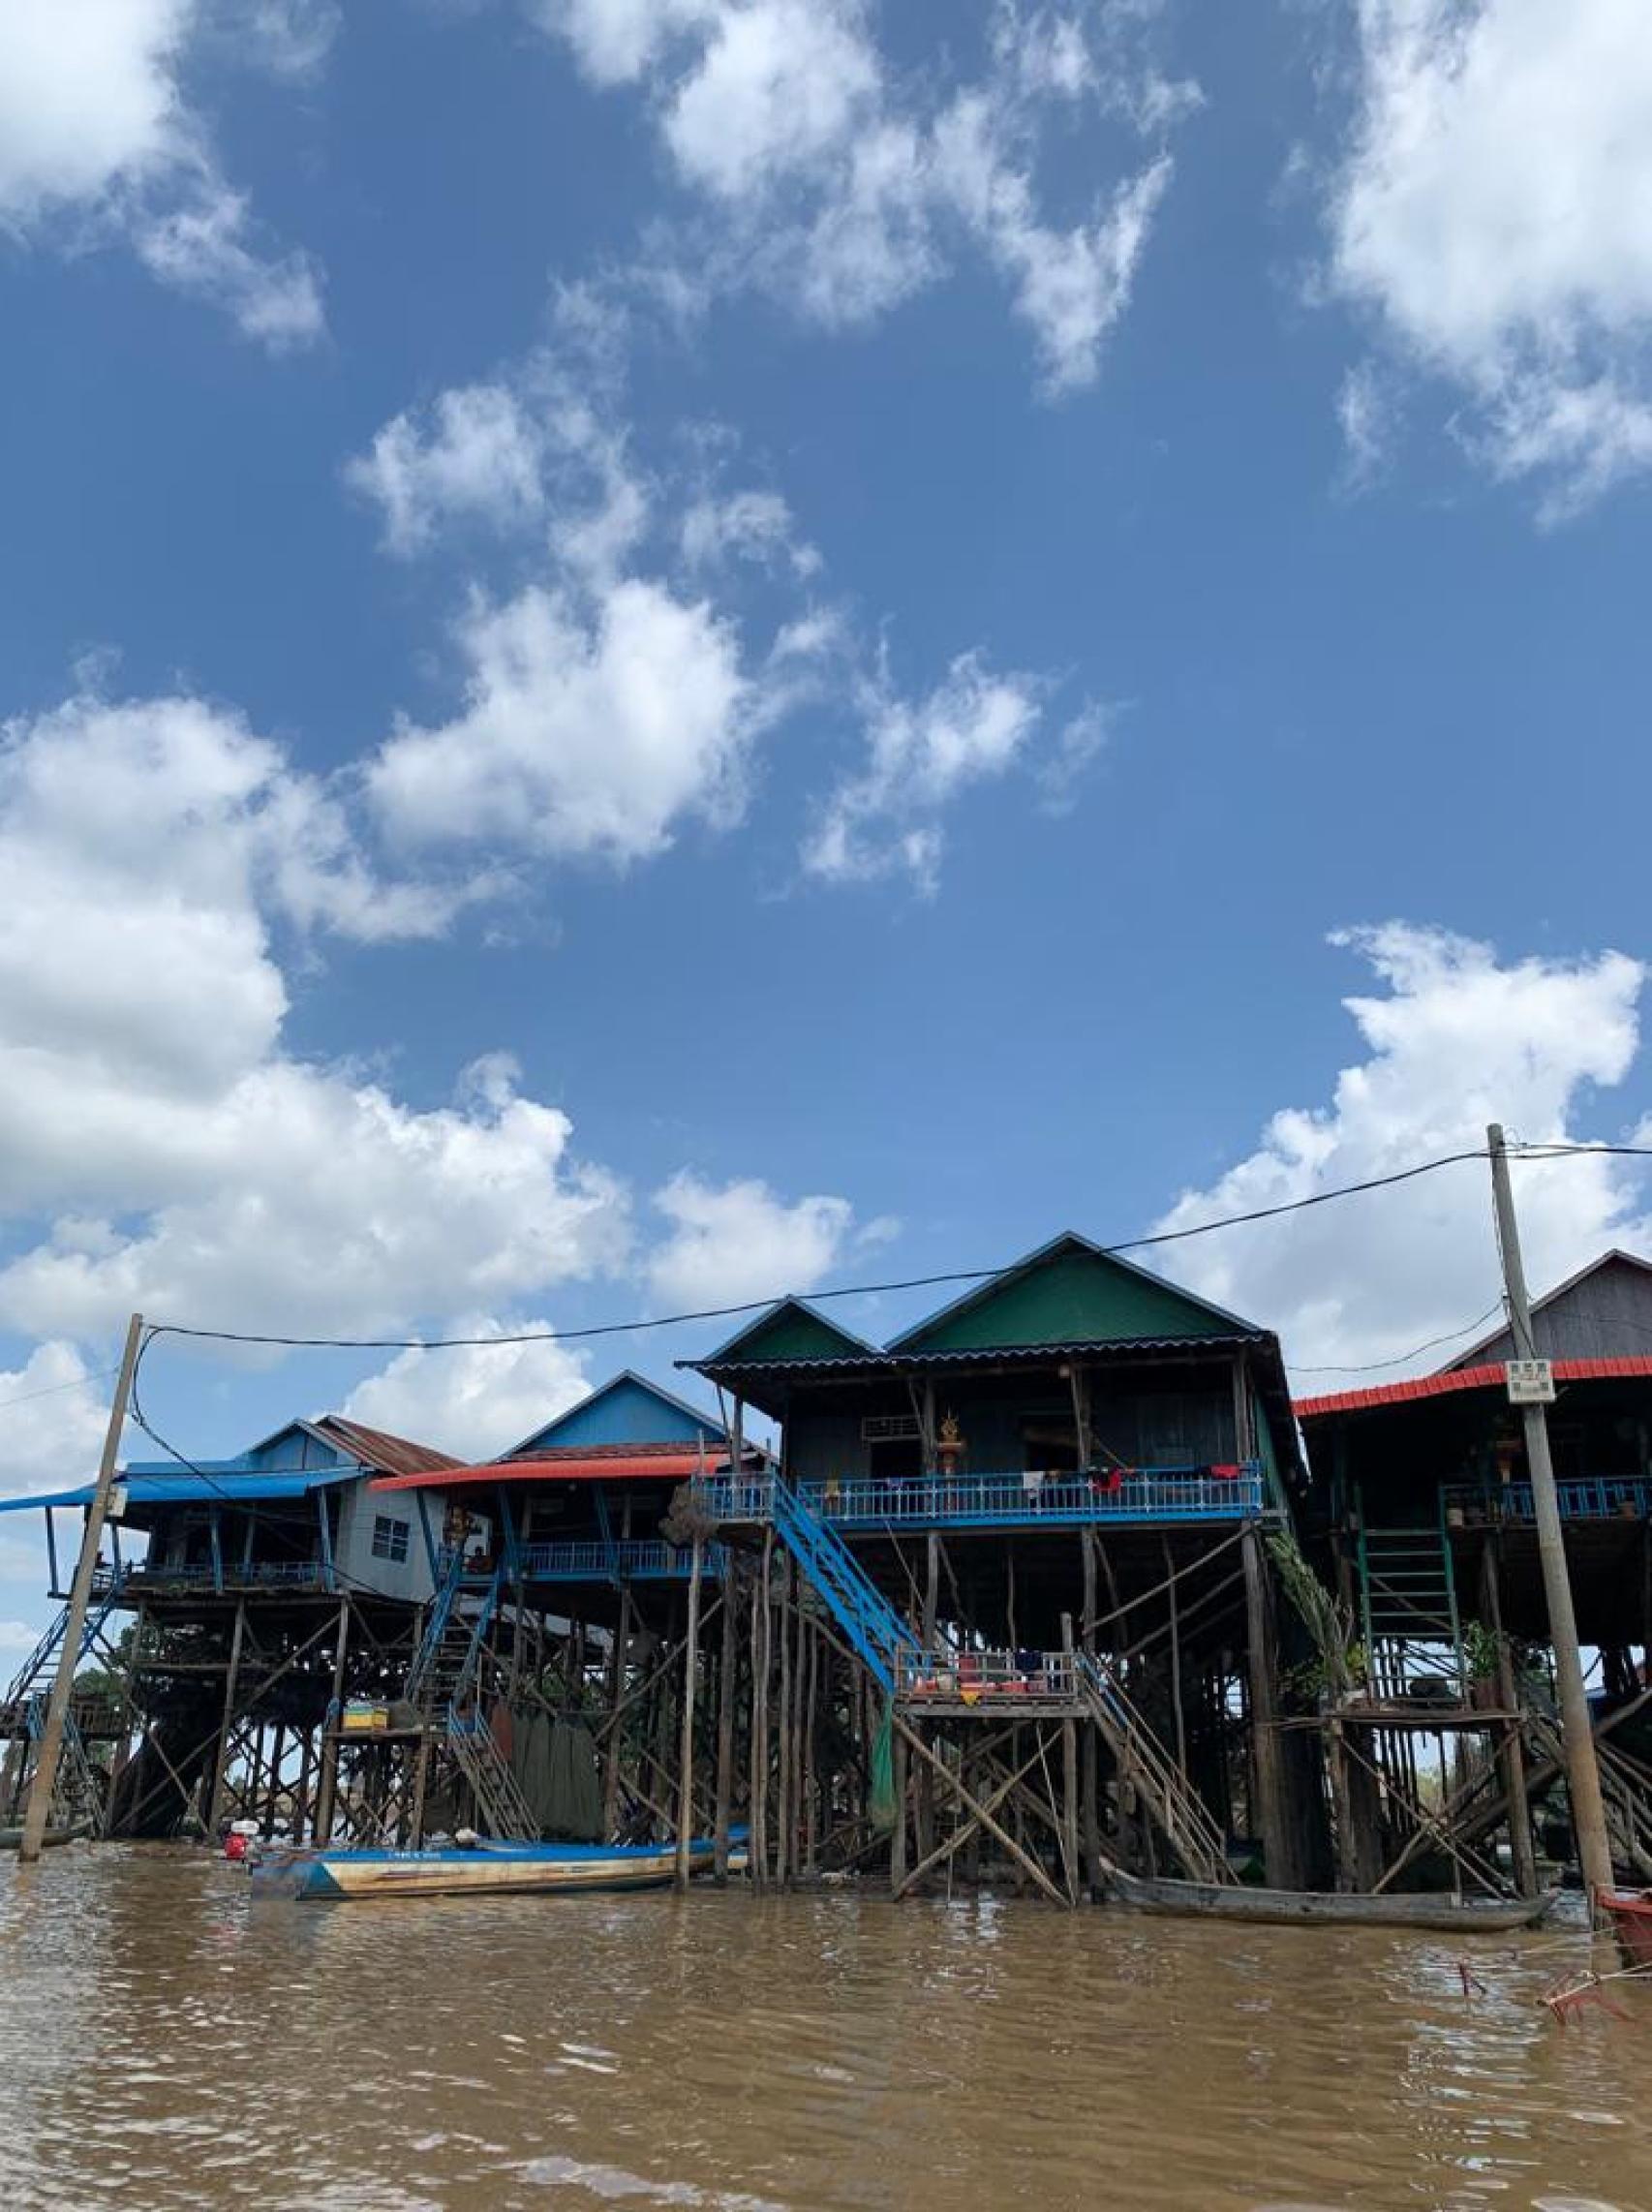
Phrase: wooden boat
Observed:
(485, 1869)
(1295, 1908)
(11, 1837)
(1630, 1912)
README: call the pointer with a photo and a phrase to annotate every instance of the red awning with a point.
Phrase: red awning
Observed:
(1621, 1367)
(566, 1467)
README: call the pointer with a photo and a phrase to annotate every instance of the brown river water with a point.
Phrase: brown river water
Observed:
(167, 2040)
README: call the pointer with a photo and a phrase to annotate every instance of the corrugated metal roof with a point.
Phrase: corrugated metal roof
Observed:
(1626, 1366)
(187, 1488)
(991, 1355)
(605, 1463)
(378, 1447)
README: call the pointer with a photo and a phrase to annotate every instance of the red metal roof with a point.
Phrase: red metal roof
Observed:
(378, 1447)
(1621, 1367)
(567, 1467)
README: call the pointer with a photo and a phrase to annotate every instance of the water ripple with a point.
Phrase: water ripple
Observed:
(168, 2042)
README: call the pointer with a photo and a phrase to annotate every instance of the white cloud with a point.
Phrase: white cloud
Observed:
(54, 1412)
(585, 732)
(200, 246)
(920, 756)
(478, 455)
(1495, 208)
(1365, 415)
(744, 526)
(1457, 1039)
(1071, 285)
(779, 86)
(95, 138)
(185, 1162)
(1083, 737)
(476, 1399)
(845, 185)
(742, 1241)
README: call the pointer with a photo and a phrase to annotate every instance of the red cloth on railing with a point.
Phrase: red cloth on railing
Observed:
(1227, 1471)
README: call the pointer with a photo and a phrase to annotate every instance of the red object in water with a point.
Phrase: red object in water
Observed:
(1631, 1914)
(235, 1846)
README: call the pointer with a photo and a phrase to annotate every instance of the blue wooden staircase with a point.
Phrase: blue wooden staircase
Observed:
(879, 1638)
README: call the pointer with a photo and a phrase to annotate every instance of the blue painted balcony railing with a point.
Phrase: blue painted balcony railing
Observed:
(998, 1502)
(593, 1561)
(1592, 1497)
(201, 1574)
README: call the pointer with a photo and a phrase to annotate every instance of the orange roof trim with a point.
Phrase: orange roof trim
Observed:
(1622, 1367)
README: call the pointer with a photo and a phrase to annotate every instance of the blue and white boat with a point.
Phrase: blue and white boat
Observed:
(486, 1868)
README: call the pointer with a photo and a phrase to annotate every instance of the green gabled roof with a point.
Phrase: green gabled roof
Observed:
(791, 1330)
(1069, 1292)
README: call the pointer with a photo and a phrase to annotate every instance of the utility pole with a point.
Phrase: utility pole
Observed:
(80, 1590)
(1582, 1772)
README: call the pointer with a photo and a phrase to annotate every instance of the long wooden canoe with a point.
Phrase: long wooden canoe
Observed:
(1296, 1908)
(489, 1871)
(11, 1837)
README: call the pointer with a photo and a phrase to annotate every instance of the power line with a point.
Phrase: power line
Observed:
(1370, 1367)
(761, 1305)
(53, 1389)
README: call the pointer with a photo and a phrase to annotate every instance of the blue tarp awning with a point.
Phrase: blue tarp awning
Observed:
(186, 1489)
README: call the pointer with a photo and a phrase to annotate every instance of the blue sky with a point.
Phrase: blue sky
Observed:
(660, 650)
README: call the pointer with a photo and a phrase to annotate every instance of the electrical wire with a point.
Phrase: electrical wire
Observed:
(104, 1374)
(1397, 1359)
(761, 1305)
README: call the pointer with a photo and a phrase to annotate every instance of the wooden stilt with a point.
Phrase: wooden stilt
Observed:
(726, 1693)
(685, 1762)
(1511, 1757)
(1269, 1809)
(232, 1678)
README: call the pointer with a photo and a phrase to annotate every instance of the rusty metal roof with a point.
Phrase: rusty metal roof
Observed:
(378, 1447)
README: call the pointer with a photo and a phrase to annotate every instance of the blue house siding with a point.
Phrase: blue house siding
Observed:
(629, 1410)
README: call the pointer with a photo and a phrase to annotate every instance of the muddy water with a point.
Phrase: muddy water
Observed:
(167, 2040)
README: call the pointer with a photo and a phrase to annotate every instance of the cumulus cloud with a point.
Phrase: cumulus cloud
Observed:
(474, 1400)
(921, 753)
(97, 139)
(676, 620)
(184, 1160)
(842, 185)
(591, 730)
(740, 1241)
(1455, 1037)
(52, 1429)
(475, 453)
(1492, 210)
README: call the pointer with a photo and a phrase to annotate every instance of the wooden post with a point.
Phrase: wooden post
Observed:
(685, 1762)
(1174, 1658)
(761, 1654)
(725, 1690)
(1582, 1768)
(925, 1809)
(220, 1762)
(327, 1790)
(38, 1810)
(616, 1736)
(1269, 1809)
(783, 1822)
(1070, 1779)
(1090, 1779)
(1511, 1758)
(898, 1833)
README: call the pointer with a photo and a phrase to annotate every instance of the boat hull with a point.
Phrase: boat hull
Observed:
(1631, 1916)
(11, 1838)
(492, 1870)
(1324, 1908)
